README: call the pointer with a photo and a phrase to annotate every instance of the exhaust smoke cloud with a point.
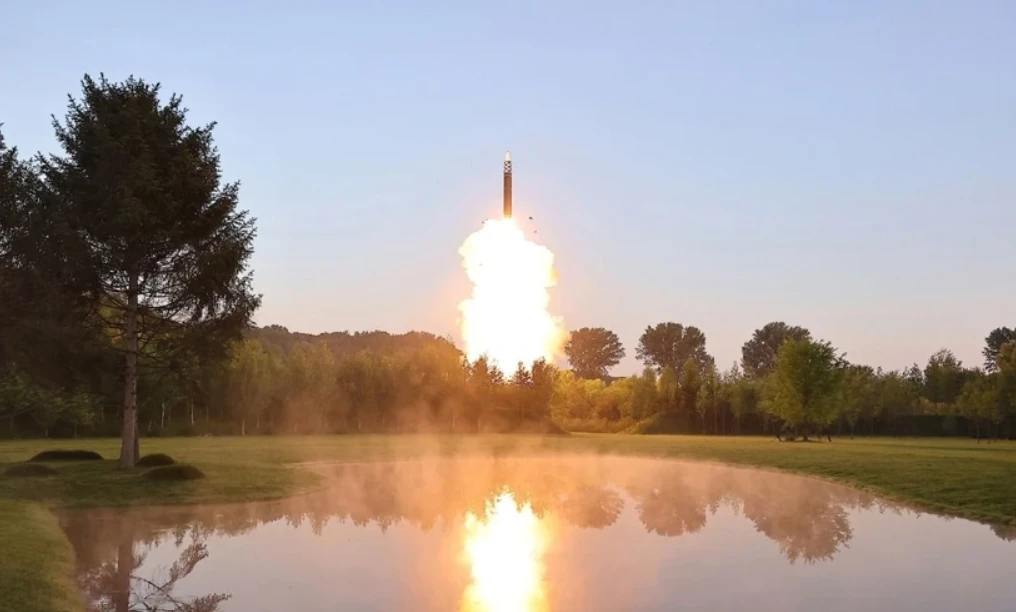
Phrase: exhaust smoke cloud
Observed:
(507, 317)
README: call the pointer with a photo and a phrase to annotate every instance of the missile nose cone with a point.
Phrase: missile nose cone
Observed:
(507, 156)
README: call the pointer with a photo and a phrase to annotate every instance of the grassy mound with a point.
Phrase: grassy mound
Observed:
(155, 460)
(175, 472)
(30, 470)
(67, 455)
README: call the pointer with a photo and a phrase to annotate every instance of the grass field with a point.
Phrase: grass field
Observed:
(958, 477)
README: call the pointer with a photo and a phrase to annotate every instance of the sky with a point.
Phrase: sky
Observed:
(845, 166)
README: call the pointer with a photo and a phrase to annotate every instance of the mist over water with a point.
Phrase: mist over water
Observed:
(538, 534)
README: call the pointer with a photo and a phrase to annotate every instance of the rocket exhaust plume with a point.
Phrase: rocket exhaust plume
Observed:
(507, 317)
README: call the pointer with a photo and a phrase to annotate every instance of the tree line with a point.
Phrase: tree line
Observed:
(127, 308)
(786, 384)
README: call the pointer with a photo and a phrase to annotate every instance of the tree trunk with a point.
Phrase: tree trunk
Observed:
(192, 412)
(243, 426)
(121, 594)
(162, 417)
(129, 433)
(122, 577)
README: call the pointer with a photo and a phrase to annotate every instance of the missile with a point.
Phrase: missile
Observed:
(507, 185)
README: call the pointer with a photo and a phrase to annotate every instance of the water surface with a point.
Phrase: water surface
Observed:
(545, 534)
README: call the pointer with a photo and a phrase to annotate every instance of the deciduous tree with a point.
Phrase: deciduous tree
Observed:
(670, 397)
(804, 387)
(645, 395)
(860, 395)
(673, 344)
(943, 377)
(993, 343)
(691, 381)
(758, 355)
(592, 351)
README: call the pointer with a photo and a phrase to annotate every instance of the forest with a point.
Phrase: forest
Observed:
(128, 305)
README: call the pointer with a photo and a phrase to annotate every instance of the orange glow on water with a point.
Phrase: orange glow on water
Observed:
(504, 551)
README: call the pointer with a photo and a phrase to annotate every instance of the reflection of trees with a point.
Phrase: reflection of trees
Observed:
(112, 553)
(668, 507)
(808, 519)
(1006, 532)
(592, 506)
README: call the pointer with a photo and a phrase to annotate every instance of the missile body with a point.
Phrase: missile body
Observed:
(507, 185)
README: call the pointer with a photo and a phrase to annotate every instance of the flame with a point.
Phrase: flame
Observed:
(507, 317)
(505, 554)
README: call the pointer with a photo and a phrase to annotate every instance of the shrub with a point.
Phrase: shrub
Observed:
(596, 425)
(67, 455)
(541, 427)
(155, 460)
(30, 470)
(177, 471)
(660, 423)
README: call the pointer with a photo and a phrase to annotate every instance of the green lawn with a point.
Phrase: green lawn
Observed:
(960, 477)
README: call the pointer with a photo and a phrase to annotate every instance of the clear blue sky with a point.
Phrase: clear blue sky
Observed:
(846, 166)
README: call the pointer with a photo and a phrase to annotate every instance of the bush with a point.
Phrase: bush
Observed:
(155, 460)
(29, 470)
(541, 427)
(67, 455)
(660, 423)
(595, 425)
(177, 471)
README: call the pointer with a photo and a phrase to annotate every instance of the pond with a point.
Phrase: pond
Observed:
(544, 534)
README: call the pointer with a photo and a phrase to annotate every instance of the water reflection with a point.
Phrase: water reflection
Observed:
(504, 550)
(505, 518)
(117, 578)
